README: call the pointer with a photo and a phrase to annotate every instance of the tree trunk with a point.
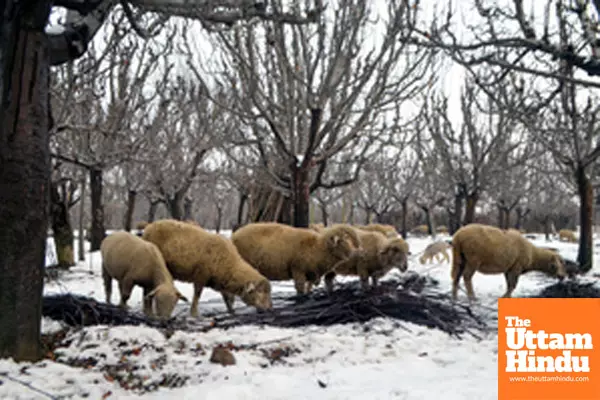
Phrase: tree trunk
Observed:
(301, 197)
(502, 217)
(240, 211)
(24, 177)
(152, 211)
(61, 227)
(521, 214)
(175, 206)
(351, 212)
(324, 213)
(586, 215)
(456, 216)
(428, 220)
(97, 234)
(81, 240)
(472, 200)
(187, 209)
(368, 214)
(128, 217)
(404, 204)
(218, 219)
(547, 229)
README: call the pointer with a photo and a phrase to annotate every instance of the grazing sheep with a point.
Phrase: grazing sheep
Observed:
(208, 260)
(281, 252)
(133, 261)
(421, 230)
(490, 250)
(567, 236)
(435, 249)
(380, 254)
(386, 230)
(317, 227)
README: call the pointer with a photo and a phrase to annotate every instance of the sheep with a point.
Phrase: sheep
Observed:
(442, 230)
(208, 260)
(317, 227)
(490, 250)
(134, 261)
(379, 254)
(421, 230)
(282, 252)
(435, 249)
(387, 230)
(567, 236)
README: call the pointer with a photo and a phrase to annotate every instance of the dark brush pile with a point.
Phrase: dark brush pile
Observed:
(85, 311)
(412, 298)
(570, 289)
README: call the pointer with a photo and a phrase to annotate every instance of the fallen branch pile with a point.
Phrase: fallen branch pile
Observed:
(85, 311)
(570, 289)
(413, 299)
(404, 300)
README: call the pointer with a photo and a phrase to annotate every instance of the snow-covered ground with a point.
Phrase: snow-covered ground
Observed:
(386, 361)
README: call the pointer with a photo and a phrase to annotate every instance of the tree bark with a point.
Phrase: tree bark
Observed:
(456, 215)
(301, 197)
(240, 211)
(152, 211)
(219, 218)
(324, 213)
(472, 200)
(404, 204)
(61, 228)
(586, 215)
(187, 208)
(96, 186)
(175, 206)
(521, 214)
(128, 217)
(24, 177)
(547, 228)
(81, 239)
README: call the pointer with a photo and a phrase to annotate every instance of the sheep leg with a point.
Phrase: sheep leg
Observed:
(458, 268)
(299, 278)
(364, 277)
(374, 280)
(229, 300)
(329, 277)
(125, 287)
(446, 258)
(197, 293)
(147, 301)
(512, 278)
(468, 279)
(107, 285)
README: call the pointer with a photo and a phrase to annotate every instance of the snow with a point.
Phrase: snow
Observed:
(384, 358)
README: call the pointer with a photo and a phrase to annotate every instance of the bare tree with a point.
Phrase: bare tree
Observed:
(473, 153)
(505, 36)
(548, 44)
(305, 93)
(402, 177)
(570, 130)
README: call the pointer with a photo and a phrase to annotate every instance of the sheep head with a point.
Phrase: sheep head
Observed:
(342, 241)
(395, 254)
(258, 294)
(165, 298)
(553, 264)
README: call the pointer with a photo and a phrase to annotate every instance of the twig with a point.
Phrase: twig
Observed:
(28, 385)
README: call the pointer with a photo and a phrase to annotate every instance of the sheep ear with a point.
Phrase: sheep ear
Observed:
(182, 297)
(151, 294)
(250, 287)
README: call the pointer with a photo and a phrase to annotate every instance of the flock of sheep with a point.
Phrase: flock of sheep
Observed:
(258, 253)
